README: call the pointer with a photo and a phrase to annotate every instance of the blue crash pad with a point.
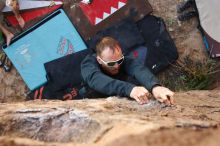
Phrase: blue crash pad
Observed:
(52, 38)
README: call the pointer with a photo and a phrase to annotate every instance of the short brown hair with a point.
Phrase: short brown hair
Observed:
(106, 42)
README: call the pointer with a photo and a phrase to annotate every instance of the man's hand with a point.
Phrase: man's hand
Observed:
(163, 94)
(140, 94)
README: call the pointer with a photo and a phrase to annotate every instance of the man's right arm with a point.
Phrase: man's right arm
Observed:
(95, 79)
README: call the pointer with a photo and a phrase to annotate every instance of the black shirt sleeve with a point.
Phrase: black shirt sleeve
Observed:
(97, 80)
(140, 72)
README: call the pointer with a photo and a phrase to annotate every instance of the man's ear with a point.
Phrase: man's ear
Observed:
(98, 59)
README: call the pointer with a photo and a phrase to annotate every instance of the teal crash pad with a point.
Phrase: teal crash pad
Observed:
(52, 38)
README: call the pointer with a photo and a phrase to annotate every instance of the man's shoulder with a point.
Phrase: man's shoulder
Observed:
(89, 64)
(91, 58)
(128, 59)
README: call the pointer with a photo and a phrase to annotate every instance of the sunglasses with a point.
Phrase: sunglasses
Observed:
(113, 63)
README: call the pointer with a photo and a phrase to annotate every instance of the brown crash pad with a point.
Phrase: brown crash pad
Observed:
(85, 26)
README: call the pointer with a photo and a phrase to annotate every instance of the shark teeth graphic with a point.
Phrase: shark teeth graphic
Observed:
(98, 20)
(105, 15)
(120, 4)
(113, 10)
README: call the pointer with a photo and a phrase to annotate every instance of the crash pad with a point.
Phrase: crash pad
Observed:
(52, 38)
(32, 14)
(84, 22)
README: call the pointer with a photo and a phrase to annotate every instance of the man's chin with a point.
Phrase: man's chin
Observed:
(111, 71)
(114, 72)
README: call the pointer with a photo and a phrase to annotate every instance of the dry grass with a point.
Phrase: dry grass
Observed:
(190, 75)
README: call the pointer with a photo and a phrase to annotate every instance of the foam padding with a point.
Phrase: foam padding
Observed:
(99, 10)
(32, 14)
(52, 38)
(101, 14)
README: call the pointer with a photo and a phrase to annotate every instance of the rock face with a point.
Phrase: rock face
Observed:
(194, 120)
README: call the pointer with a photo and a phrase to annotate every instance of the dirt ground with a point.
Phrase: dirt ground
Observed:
(194, 120)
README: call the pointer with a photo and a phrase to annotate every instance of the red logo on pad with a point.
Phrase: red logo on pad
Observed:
(99, 10)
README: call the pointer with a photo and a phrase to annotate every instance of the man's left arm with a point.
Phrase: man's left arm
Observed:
(148, 80)
(141, 73)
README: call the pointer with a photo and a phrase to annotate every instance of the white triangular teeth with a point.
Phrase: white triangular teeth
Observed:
(113, 10)
(120, 4)
(98, 20)
(105, 15)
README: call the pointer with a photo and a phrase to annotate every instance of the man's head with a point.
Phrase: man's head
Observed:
(109, 55)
